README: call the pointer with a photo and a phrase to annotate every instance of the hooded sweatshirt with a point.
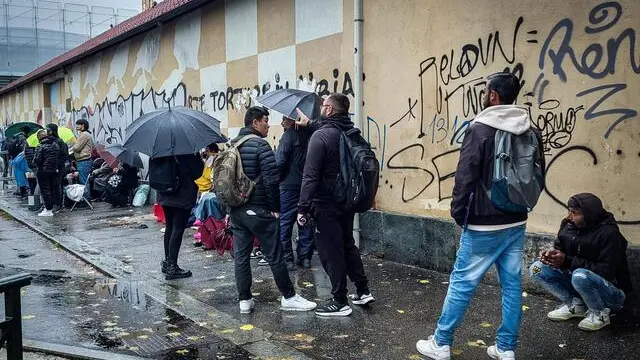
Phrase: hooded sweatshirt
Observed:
(470, 204)
(322, 165)
(598, 246)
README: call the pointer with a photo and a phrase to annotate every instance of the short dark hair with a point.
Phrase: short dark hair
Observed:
(54, 129)
(25, 130)
(84, 123)
(340, 103)
(506, 85)
(255, 113)
(213, 147)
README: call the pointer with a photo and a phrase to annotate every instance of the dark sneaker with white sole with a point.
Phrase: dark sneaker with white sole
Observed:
(333, 309)
(361, 300)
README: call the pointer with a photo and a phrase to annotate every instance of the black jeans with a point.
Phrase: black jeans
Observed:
(338, 252)
(246, 222)
(47, 182)
(176, 222)
(58, 193)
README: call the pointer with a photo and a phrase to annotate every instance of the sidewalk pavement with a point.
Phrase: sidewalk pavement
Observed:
(128, 243)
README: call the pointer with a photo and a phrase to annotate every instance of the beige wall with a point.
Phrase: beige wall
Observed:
(425, 62)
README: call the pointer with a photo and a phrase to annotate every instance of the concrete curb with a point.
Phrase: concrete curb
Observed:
(257, 341)
(73, 352)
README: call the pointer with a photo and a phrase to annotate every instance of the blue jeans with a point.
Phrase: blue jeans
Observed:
(84, 168)
(288, 207)
(479, 250)
(596, 292)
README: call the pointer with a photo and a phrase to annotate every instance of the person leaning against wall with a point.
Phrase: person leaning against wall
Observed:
(82, 149)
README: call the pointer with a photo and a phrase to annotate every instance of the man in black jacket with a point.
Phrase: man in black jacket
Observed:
(490, 236)
(46, 161)
(334, 239)
(587, 268)
(63, 162)
(259, 216)
(290, 156)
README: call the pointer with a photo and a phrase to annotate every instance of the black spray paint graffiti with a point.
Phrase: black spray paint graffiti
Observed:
(109, 119)
(601, 18)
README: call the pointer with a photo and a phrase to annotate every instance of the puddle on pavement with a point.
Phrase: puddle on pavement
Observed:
(114, 315)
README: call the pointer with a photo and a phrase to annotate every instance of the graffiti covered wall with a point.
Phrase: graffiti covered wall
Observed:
(426, 64)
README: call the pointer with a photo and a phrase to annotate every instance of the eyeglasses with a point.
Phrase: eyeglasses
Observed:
(324, 105)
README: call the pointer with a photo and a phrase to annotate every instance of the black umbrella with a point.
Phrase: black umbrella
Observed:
(286, 101)
(129, 157)
(16, 128)
(173, 131)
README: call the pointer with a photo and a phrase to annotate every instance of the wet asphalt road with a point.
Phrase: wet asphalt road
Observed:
(408, 301)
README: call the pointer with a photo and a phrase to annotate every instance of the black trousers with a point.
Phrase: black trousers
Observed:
(338, 252)
(58, 194)
(246, 222)
(47, 182)
(176, 222)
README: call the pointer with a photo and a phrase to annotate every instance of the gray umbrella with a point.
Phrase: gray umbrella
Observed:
(173, 131)
(129, 157)
(286, 101)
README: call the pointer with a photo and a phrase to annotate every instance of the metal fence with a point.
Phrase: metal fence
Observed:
(33, 32)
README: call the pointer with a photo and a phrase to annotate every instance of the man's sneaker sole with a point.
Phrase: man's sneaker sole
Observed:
(345, 312)
(492, 351)
(565, 318)
(365, 301)
(593, 328)
(295, 309)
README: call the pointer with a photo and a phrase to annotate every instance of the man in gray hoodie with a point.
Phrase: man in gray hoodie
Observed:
(490, 236)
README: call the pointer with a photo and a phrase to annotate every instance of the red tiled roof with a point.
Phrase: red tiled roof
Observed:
(121, 30)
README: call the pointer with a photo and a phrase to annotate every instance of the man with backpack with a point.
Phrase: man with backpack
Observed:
(500, 146)
(290, 156)
(253, 198)
(46, 161)
(320, 204)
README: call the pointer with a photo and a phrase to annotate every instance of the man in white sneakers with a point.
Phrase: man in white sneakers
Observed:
(587, 268)
(490, 235)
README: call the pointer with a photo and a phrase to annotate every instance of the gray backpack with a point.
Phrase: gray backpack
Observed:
(518, 174)
(232, 187)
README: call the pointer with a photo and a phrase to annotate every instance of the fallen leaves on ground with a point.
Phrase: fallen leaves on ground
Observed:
(178, 303)
(424, 281)
(195, 338)
(307, 284)
(524, 294)
(143, 337)
(220, 277)
(149, 330)
(247, 327)
(211, 314)
(208, 291)
(344, 336)
(400, 311)
(109, 323)
(28, 317)
(227, 331)
(485, 324)
(174, 334)
(476, 343)
(182, 352)
(456, 352)
(562, 345)
(133, 348)
(123, 333)
(258, 281)
(209, 255)
(525, 308)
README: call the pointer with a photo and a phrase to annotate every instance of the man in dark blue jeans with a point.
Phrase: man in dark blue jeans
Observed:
(290, 156)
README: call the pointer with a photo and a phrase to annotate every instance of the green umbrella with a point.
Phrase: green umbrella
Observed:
(16, 128)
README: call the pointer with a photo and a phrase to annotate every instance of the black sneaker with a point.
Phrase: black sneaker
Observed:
(333, 308)
(175, 272)
(361, 300)
(163, 266)
(256, 253)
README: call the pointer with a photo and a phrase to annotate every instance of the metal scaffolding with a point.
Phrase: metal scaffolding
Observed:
(32, 32)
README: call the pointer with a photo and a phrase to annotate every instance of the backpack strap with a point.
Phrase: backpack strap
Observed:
(244, 139)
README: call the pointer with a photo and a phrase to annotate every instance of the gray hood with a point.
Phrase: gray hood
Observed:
(510, 118)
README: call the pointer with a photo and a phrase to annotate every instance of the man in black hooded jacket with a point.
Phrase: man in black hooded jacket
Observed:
(587, 268)
(334, 228)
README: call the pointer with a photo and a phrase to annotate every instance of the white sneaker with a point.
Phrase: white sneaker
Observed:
(297, 303)
(246, 306)
(430, 349)
(46, 213)
(595, 320)
(495, 353)
(361, 299)
(263, 262)
(566, 312)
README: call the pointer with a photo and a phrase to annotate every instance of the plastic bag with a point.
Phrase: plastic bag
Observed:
(140, 198)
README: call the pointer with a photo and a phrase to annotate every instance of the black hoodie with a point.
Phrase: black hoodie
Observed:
(598, 246)
(323, 164)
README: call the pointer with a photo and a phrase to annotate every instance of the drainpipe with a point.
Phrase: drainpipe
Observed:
(358, 22)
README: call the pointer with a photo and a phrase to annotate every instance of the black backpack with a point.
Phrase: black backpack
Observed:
(357, 181)
(163, 174)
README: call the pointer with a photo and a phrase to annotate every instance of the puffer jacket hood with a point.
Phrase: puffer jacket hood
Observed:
(343, 122)
(592, 209)
(511, 118)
